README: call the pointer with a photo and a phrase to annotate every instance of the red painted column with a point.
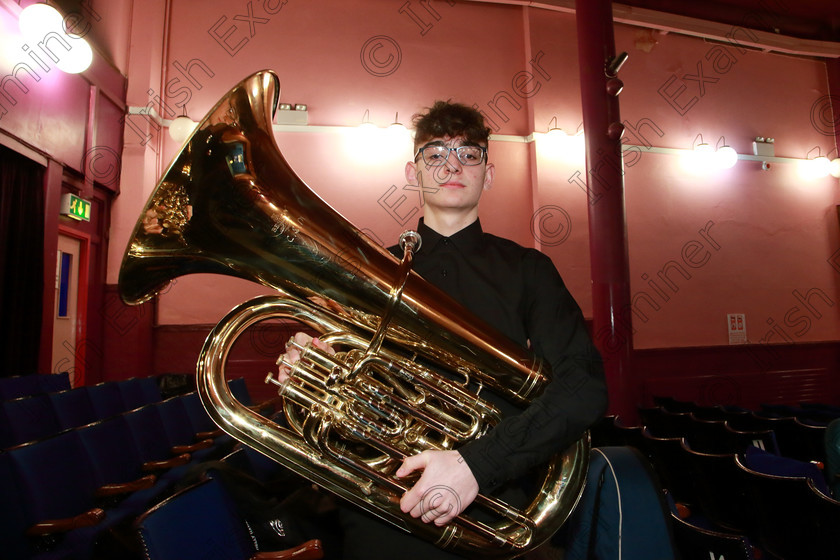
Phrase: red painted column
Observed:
(605, 188)
(830, 120)
(52, 207)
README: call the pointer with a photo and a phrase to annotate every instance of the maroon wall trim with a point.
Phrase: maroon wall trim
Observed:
(253, 355)
(746, 375)
(129, 346)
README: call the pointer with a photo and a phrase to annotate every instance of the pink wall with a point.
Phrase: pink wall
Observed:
(766, 235)
(770, 232)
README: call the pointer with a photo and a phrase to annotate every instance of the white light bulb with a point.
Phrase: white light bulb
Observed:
(703, 157)
(77, 59)
(181, 128)
(40, 23)
(726, 157)
(821, 166)
(397, 130)
(38, 20)
(368, 134)
(816, 168)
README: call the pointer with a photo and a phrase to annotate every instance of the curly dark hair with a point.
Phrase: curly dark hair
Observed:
(446, 118)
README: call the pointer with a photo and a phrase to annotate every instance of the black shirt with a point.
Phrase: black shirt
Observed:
(518, 291)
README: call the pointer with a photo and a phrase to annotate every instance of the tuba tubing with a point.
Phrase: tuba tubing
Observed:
(416, 366)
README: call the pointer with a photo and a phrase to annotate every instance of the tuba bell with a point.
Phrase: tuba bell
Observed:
(413, 364)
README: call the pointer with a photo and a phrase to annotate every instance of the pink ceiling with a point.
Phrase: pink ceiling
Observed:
(807, 19)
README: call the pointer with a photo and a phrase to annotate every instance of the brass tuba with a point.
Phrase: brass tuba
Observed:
(412, 363)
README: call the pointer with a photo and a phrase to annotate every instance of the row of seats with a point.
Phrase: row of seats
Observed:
(730, 486)
(33, 417)
(784, 435)
(809, 412)
(713, 436)
(17, 386)
(71, 495)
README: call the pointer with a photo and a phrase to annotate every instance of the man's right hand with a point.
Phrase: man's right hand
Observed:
(292, 354)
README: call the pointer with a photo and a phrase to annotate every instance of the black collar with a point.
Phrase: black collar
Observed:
(468, 238)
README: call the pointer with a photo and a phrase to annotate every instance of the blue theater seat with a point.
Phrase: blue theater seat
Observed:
(795, 520)
(801, 439)
(719, 490)
(27, 385)
(203, 522)
(701, 543)
(201, 422)
(180, 432)
(107, 399)
(714, 412)
(672, 404)
(708, 435)
(240, 391)
(669, 460)
(52, 382)
(718, 436)
(263, 469)
(773, 464)
(198, 522)
(117, 465)
(73, 408)
(664, 423)
(13, 540)
(19, 386)
(740, 440)
(139, 391)
(27, 419)
(152, 441)
(59, 495)
(15, 544)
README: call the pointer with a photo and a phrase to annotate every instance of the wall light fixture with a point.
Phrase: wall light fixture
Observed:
(40, 24)
(181, 127)
(725, 156)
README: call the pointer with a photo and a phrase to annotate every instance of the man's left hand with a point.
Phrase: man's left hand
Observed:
(445, 489)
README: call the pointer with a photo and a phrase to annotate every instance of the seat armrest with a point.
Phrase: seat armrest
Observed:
(268, 406)
(151, 466)
(310, 550)
(203, 444)
(209, 435)
(52, 526)
(126, 487)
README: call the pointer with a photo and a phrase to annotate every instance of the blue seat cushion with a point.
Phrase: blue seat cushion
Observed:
(769, 463)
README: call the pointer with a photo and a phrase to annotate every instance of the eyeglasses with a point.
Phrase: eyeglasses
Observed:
(436, 154)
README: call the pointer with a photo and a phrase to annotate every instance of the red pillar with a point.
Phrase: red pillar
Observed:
(52, 204)
(829, 121)
(605, 189)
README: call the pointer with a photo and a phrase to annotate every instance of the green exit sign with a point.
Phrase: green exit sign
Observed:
(75, 207)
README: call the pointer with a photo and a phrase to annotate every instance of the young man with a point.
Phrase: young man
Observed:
(515, 289)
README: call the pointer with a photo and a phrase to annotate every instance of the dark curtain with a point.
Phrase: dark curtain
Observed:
(21, 262)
